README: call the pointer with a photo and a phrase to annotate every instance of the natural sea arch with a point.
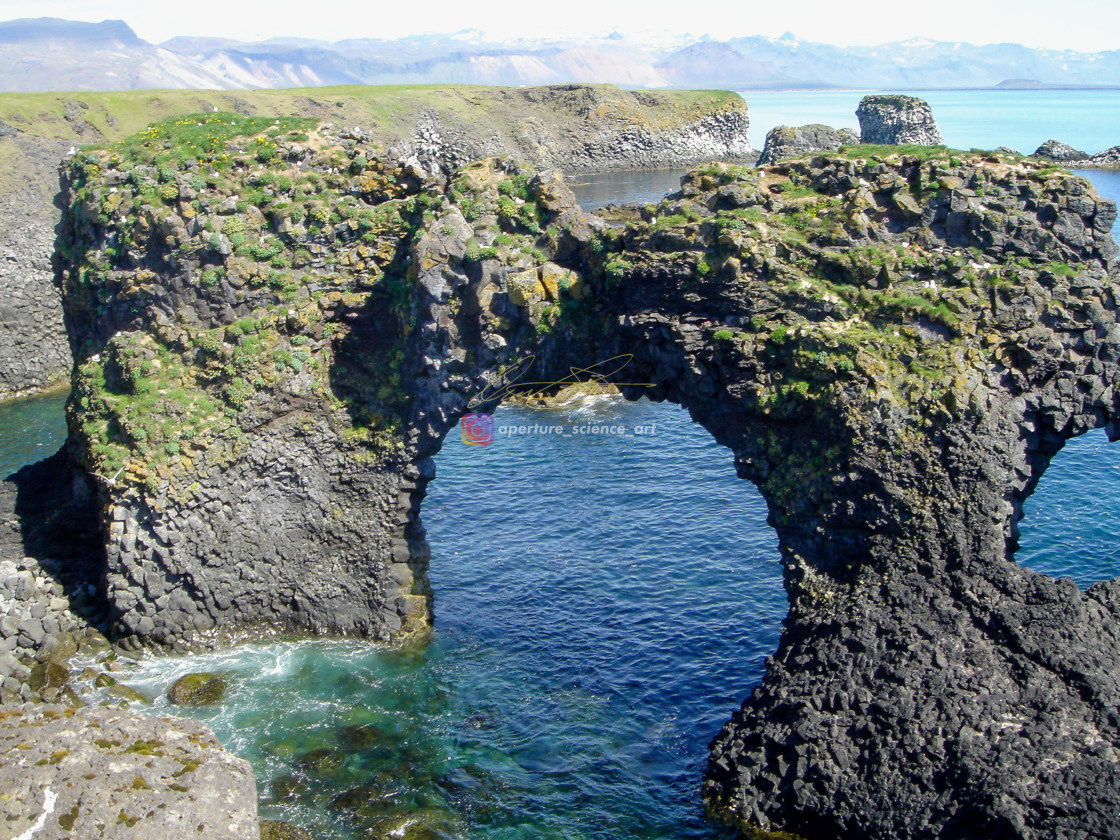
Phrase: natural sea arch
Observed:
(922, 676)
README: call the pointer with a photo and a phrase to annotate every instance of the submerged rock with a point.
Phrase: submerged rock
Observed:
(420, 824)
(322, 761)
(785, 141)
(360, 736)
(198, 689)
(371, 799)
(276, 830)
(895, 120)
(288, 787)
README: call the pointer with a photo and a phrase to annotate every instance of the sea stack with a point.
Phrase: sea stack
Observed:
(894, 120)
(786, 141)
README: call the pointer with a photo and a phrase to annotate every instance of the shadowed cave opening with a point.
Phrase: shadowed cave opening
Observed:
(615, 596)
(1071, 522)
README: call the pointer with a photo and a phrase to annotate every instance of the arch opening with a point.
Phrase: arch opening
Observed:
(1071, 521)
(611, 598)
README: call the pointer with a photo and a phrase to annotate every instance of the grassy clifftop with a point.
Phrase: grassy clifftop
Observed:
(389, 111)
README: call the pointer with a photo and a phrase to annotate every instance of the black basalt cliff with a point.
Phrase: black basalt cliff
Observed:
(274, 333)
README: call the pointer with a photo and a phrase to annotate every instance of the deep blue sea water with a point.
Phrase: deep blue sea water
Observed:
(1071, 523)
(602, 606)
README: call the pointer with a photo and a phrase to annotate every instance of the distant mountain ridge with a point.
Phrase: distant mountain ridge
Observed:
(36, 29)
(45, 54)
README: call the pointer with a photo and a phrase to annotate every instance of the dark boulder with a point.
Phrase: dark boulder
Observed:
(198, 690)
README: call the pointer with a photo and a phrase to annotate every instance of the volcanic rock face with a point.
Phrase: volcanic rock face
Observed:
(570, 127)
(785, 141)
(894, 119)
(33, 347)
(892, 348)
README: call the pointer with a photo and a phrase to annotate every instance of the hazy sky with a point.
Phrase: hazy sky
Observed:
(1086, 25)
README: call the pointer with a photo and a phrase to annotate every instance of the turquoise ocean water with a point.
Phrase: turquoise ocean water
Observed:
(602, 606)
(31, 429)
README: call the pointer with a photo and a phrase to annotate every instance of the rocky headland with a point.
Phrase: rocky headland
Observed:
(569, 127)
(275, 325)
(1061, 152)
(884, 119)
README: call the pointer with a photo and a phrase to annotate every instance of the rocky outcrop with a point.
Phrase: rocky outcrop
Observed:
(1108, 159)
(52, 566)
(893, 347)
(785, 141)
(1059, 151)
(893, 119)
(105, 772)
(36, 618)
(570, 127)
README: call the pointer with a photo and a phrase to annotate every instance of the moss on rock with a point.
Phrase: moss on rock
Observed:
(277, 830)
(202, 689)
